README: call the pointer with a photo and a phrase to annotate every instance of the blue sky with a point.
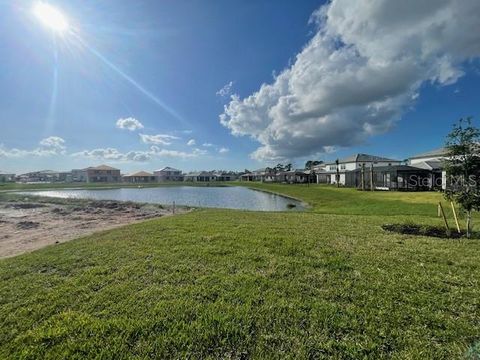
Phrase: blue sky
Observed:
(162, 65)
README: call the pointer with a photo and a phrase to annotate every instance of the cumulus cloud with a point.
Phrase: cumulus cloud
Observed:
(49, 146)
(191, 142)
(160, 139)
(113, 154)
(355, 77)
(223, 150)
(208, 144)
(225, 90)
(130, 124)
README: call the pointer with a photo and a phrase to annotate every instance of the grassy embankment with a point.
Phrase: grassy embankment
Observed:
(328, 282)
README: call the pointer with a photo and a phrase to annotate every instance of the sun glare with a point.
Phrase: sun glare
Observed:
(50, 17)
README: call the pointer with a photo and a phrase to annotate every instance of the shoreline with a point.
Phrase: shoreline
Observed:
(33, 222)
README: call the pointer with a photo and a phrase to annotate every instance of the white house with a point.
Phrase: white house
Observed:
(168, 174)
(433, 161)
(436, 155)
(327, 174)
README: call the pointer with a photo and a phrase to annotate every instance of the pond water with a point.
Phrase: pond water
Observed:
(229, 197)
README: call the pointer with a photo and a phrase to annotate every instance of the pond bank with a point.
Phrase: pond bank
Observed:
(30, 223)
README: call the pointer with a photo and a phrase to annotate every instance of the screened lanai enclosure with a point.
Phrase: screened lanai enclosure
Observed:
(397, 177)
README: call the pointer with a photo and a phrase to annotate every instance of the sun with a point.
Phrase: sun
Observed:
(50, 17)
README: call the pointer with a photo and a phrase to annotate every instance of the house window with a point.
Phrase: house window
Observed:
(333, 167)
(343, 166)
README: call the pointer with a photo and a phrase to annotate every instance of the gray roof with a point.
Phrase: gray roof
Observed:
(168, 168)
(139, 174)
(429, 165)
(363, 158)
(433, 153)
(392, 168)
(101, 167)
(200, 173)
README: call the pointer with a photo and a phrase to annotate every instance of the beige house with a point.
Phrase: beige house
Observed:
(139, 177)
(102, 173)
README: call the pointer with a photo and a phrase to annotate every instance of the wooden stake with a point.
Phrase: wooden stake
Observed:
(439, 212)
(455, 217)
(444, 219)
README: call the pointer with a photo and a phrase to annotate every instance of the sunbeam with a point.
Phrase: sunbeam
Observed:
(53, 96)
(57, 22)
(132, 81)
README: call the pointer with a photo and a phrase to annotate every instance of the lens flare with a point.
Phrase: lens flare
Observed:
(50, 17)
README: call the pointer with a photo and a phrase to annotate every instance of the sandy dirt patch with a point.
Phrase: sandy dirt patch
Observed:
(27, 224)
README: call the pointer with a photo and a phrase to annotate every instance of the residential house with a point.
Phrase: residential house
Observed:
(433, 155)
(432, 161)
(393, 177)
(263, 175)
(332, 175)
(79, 175)
(200, 176)
(422, 172)
(226, 176)
(168, 174)
(294, 176)
(103, 173)
(140, 177)
(6, 177)
(45, 176)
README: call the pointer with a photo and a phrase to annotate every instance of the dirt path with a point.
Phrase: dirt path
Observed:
(27, 224)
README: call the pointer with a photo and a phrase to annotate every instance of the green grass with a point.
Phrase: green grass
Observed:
(49, 186)
(326, 283)
(346, 201)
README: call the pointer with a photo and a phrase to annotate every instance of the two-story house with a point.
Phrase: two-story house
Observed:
(168, 174)
(102, 173)
(334, 172)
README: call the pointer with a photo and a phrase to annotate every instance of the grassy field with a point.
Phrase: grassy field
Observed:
(326, 283)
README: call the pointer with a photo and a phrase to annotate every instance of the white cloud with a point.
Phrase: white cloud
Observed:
(223, 150)
(191, 142)
(112, 154)
(208, 145)
(49, 146)
(53, 142)
(160, 139)
(130, 124)
(200, 152)
(225, 90)
(356, 76)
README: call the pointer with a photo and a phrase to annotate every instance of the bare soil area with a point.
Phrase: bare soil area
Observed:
(29, 223)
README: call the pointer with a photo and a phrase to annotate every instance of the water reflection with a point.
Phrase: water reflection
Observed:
(235, 197)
